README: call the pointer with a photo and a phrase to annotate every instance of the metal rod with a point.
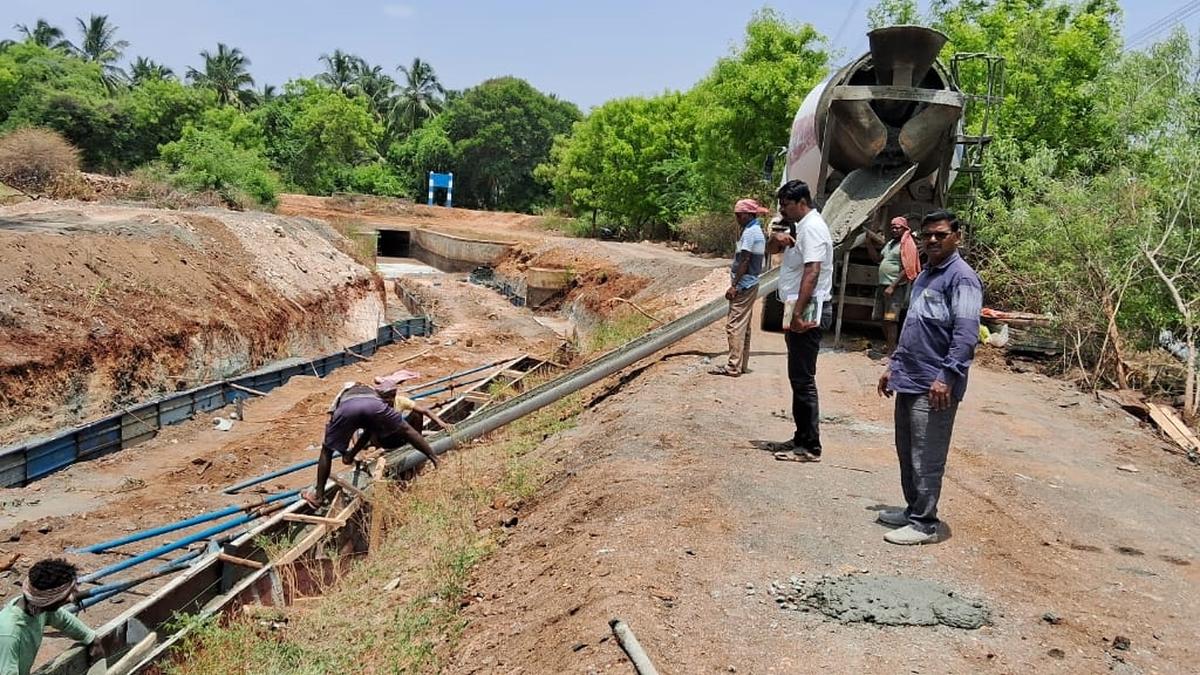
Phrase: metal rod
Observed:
(452, 376)
(179, 524)
(101, 593)
(238, 487)
(629, 642)
(167, 548)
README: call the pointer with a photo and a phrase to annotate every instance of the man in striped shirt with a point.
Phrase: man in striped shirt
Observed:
(928, 374)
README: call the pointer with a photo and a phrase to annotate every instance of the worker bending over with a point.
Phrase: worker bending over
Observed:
(383, 419)
(51, 584)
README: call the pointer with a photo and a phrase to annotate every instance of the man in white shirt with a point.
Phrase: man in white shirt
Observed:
(805, 288)
(743, 285)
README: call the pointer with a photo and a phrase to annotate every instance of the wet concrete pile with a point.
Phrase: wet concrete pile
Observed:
(883, 600)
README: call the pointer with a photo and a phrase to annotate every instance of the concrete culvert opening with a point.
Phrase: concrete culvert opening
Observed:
(393, 244)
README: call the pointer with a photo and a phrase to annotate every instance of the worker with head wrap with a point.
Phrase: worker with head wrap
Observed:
(382, 418)
(899, 264)
(50, 586)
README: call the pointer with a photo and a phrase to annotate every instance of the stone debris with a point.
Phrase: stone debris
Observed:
(883, 600)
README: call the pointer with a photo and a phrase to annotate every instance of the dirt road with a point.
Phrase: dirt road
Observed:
(666, 517)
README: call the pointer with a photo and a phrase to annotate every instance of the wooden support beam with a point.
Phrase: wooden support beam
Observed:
(314, 520)
(247, 390)
(242, 562)
(358, 356)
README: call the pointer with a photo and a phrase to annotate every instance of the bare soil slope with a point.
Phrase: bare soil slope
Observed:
(104, 305)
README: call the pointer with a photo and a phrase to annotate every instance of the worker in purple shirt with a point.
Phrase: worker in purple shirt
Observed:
(928, 374)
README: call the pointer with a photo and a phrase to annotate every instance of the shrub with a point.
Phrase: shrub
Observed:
(372, 179)
(710, 232)
(204, 159)
(33, 159)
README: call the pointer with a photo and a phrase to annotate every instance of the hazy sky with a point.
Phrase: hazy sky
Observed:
(586, 52)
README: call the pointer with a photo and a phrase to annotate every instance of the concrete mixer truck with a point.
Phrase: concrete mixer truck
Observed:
(881, 137)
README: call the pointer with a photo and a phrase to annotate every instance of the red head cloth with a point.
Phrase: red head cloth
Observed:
(750, 206)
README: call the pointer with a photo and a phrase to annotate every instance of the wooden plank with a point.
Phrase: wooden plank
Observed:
(241, 562)
(356, 355)
(1173, 427)
(247, 390)
(314, 520)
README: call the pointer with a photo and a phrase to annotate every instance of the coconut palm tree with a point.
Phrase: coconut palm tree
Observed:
(44, 34)
(143, 69)
(421, 96)
(340, 71)
(224, 72)
(376, 86)
(267, 93)
(98, 44)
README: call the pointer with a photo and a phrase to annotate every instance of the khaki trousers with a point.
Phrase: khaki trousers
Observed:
(737, 329)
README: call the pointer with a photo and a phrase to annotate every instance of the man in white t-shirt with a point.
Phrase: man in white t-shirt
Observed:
(805, 288)
(743, 285)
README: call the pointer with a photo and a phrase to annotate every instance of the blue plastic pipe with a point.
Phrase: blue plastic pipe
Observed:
(238, 487)
(101, 593)
(167, 548)
(179, 525)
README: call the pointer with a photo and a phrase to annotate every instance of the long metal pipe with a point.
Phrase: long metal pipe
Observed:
(167, 548)
(179, 525)
(494, 417)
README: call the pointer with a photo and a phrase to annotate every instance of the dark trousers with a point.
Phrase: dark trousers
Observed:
(802, 351)
(922, 444)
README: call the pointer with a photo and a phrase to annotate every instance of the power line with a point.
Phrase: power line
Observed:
(1168, 22)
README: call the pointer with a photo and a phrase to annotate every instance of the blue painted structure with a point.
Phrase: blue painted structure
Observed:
(442, 180)
(25, 462)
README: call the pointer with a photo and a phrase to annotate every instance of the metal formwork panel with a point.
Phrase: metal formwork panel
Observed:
(98, 437)
(48, 457)
(139, 424)
(12, 467)
(176, 409)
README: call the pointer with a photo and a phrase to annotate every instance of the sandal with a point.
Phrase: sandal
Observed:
(796, 457)
(310, 497)
(724, 371)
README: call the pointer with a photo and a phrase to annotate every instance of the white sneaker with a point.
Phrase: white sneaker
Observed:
(893, 517)
(910, 536)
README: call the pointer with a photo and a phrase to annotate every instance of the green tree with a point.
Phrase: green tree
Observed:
(1055, 52)
(45, 35)
(40, 86)
(316, 135)
(143, 69)
(156, 111)
(893, 13)
(500, 131)
(225, 72)
(341, 71)
(421, 96)
(743, 110)
(632, 159)
(98, 43)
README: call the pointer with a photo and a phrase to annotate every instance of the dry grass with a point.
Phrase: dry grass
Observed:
(434, 533)
(360, 240)
(32, 159)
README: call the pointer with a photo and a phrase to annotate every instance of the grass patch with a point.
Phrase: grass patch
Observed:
(431, 541)
(616, 330)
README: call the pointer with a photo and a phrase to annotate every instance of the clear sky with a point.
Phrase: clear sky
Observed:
(584, 51)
